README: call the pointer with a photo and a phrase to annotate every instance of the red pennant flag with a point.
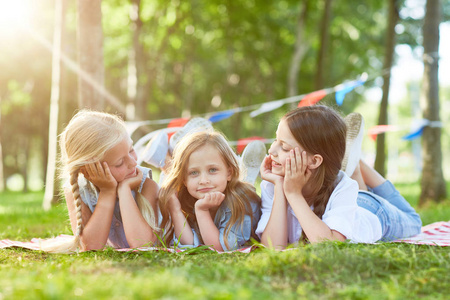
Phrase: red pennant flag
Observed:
(376, 130)
(177, 123)
(242, 143)
(312, 98)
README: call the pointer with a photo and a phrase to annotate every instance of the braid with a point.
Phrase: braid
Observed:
(77, 199)
(72, 245)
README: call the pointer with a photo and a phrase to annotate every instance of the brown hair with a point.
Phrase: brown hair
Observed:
(320, 130)
(238, 194)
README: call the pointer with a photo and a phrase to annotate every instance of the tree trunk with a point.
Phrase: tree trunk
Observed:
(136, 107)
(49, 195)
(432, 182)
(299, 52)
(380, 160)
(133, 79)
(324, 38)
(2, 176)
(25, 163)
(90, 54)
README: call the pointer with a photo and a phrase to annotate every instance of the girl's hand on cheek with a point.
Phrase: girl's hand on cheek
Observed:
(266, 171)
(133, 182)
(211, 200)
(100, 175)
(297, 173)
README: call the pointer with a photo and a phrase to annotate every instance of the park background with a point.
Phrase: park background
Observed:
(151, 60)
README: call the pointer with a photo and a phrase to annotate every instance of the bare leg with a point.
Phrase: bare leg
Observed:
(371, 177)
(357, 175)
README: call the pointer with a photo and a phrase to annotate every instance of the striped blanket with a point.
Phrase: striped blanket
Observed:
(435, 234)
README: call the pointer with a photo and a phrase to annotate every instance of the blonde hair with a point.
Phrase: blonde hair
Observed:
(238, 194)
(85, 140)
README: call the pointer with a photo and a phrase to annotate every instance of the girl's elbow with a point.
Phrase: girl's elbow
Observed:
(92, 245)
(147, 242)
(268, 242)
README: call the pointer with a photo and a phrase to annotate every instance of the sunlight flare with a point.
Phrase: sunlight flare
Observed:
(14, 14)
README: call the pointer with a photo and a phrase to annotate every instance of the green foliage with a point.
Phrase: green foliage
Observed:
(237, 52)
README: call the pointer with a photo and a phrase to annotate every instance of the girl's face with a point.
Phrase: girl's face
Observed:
(280, 148)
(121, 160)
(206, 172)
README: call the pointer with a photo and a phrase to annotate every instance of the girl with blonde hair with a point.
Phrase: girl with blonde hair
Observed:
(111, 201)
(202, 200)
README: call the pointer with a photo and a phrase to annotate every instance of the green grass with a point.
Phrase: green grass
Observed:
(324, 271)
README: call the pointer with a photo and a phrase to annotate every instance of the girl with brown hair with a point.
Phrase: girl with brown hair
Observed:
(305, 195)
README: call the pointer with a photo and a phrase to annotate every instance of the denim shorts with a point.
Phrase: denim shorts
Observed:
(397, 217)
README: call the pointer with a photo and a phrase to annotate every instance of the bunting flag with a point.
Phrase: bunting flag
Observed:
(378, 129)
(266, 107)
(415, 131)
(221, 116)
(256, 109)
(180, 122)
(414, 134)
(418, 126)
(241, 143)
(312, 98)
(345, 88)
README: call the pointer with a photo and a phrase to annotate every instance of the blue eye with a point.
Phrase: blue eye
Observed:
(193, 173)
(213, 170)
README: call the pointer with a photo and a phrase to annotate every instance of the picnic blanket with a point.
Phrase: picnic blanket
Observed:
(435, 234)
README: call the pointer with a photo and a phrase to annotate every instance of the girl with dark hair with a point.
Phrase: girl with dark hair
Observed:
(306, 196)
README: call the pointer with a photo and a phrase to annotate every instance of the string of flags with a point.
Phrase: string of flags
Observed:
(257, 109)
(415, 131)
(341, 90)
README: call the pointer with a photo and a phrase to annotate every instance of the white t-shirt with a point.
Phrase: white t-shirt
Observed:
(341, 214)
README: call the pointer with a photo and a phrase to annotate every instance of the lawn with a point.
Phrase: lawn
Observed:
(325, 271)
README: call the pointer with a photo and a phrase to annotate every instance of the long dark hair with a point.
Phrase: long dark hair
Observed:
(320, 130)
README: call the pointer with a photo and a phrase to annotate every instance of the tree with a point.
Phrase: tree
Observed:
(323, 47)
(2, 178)
(50, 195)
(90, 54)
(432, 182)
(380, 160)
(299, 51)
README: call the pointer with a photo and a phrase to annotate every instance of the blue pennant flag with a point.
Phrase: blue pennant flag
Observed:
(417, 129)
(221, 116)
(413, 135)
(347, 87)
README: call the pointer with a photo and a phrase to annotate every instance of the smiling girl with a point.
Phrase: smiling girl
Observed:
(203, 187)
(306, 196)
